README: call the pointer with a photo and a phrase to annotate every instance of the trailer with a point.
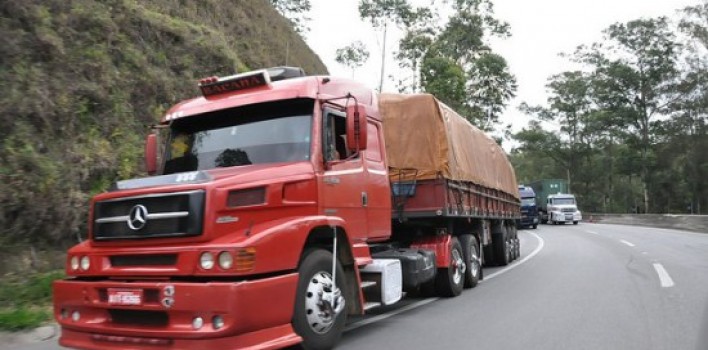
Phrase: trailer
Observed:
(282, 204)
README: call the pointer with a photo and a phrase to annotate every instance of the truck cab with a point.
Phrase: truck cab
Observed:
(529, 210)
(563, 208)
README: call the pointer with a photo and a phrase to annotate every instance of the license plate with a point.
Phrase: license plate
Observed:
(569, 217)
(125, 296)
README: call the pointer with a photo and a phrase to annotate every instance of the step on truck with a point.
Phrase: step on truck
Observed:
(279, 204)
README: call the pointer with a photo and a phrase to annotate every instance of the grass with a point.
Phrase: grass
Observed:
(25, 301)
(16, 319)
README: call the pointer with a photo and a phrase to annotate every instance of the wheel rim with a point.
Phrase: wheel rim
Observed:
(474, 262)
(458, 266)
(320, 316)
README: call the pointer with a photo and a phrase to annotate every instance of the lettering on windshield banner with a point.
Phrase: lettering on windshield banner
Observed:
(162, 180)
(235, 83)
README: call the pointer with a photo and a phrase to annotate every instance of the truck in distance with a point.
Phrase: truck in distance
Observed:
(529, 209)
(562, 208)
(283, 203)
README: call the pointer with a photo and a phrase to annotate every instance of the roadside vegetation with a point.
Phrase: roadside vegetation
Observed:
(25, 300)
(629, 130)
(83, 79)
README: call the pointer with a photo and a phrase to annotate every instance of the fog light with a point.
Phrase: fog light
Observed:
(76, 316)
(64, 314)
(217, 322)
(85, 263)
(74, 263)
(197, 323)
(206, 261)
(225, 260)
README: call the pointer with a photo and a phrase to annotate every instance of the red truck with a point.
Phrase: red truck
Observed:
(281, 204)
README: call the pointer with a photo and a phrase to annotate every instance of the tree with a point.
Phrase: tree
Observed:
(353, 55)
(381, 14)
(635, 78)
(295, 11)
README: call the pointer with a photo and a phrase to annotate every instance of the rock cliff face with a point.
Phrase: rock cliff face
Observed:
(81, 79)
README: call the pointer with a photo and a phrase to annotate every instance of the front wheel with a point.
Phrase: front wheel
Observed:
(320, 312)
(575, 222)
(449, 281)
(535, 226)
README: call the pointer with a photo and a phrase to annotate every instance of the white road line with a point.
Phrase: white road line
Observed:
(593, 232)
(533, 253)
(627, 243)
(664, 277)
(423, 302)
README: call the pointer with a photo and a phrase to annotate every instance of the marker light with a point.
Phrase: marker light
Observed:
(225, 260)
(85, 263)
(197, 323)
(206, 261)
(217, 322)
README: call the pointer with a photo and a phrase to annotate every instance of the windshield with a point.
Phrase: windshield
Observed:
(266, 133)
(564, 201)
(528, 201)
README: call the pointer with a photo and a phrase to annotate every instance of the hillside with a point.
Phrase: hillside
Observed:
(81, 80)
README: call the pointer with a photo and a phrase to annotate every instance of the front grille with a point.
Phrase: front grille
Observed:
(143, 260)
(568, 210)
(164, 215)
(138, 317)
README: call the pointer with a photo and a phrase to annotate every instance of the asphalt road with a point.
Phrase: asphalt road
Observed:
(589, 286)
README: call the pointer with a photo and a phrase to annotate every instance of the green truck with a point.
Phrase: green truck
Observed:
(555, 204)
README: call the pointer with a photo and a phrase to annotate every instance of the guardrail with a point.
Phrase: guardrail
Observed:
(695, 223)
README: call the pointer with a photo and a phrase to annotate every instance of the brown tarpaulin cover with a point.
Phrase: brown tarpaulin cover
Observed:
(424, 134)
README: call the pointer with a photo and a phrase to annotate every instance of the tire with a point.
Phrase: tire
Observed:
(315, 267)
(470, 251)
(518, 248)
(575, 222)
(450, 281)
(501, 247)
(535, 226)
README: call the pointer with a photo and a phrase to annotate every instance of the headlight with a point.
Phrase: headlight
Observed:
(85, 263)
(206, 261)
(74, 263)
(225, 260)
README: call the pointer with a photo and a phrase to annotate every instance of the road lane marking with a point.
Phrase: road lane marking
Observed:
(514, 265)
(627, 243)
(424, 302)
(664, 277)
(593, 232)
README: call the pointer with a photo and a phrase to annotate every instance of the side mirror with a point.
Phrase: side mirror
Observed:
(151, 154)
(356, 127)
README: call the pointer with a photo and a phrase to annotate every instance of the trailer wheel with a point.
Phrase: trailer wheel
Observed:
(501, 247)
(449, 281)
(316, 319)
(470, 250)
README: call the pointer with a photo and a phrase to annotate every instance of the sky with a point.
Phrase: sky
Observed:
(541, 29)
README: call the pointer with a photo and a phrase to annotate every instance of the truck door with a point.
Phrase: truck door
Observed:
(377, 189)
(343, 178)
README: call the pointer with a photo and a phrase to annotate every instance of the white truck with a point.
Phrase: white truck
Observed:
(562, 208)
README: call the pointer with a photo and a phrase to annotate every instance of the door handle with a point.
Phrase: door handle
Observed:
(364, 199)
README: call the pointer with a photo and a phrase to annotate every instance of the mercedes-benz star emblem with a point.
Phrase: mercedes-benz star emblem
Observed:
(137, 217)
